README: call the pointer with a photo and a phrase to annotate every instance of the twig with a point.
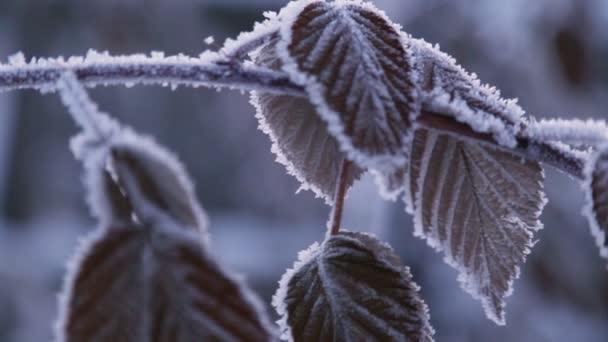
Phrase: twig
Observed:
(140, 69)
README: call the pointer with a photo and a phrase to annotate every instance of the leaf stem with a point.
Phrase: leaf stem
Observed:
(335, 219)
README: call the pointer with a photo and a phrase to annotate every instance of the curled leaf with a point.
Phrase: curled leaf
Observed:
(353, 64)
(478, 205)
(351, 288)
(596, 189)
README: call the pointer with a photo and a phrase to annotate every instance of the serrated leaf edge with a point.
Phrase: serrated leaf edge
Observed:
(596, 231)
(278, 299)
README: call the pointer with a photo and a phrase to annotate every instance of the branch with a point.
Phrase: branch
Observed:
(213, 70)
(209, 70)
(557, 155)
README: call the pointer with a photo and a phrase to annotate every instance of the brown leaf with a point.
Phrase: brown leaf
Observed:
(351, 288)
(352, 61)
(478, 205)
(447, 89)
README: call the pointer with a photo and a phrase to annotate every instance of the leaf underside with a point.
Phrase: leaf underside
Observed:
(352, 288)
(299, 135)
(598, 196)
(480, 207)
(359, 77)
(137, 285)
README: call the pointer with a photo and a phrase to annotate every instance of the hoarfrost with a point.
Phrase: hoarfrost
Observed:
(209, 40)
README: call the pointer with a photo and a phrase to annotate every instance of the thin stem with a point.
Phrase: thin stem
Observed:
(335, 220)
(82, 109)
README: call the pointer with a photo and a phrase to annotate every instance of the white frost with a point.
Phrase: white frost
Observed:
(574, 132)
(278, 299)
(247, 42)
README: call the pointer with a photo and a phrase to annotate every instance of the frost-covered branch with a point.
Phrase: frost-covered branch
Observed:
(575, 132)
(209, 69)
(213, 70)
(558, 155)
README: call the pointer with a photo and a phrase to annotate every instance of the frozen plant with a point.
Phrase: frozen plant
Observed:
(340, 90)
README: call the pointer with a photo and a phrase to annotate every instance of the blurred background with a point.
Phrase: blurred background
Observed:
(551, 54)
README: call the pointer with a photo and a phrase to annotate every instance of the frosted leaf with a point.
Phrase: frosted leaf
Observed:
(153, 283)
(299, 136)
(351, 288)
(352, 61)
(143, 275)
(155, 181)
(596, 189)
(447, 89)
(478, 205)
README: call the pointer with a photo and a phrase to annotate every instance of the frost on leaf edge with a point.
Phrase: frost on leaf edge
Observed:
(278, 299)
